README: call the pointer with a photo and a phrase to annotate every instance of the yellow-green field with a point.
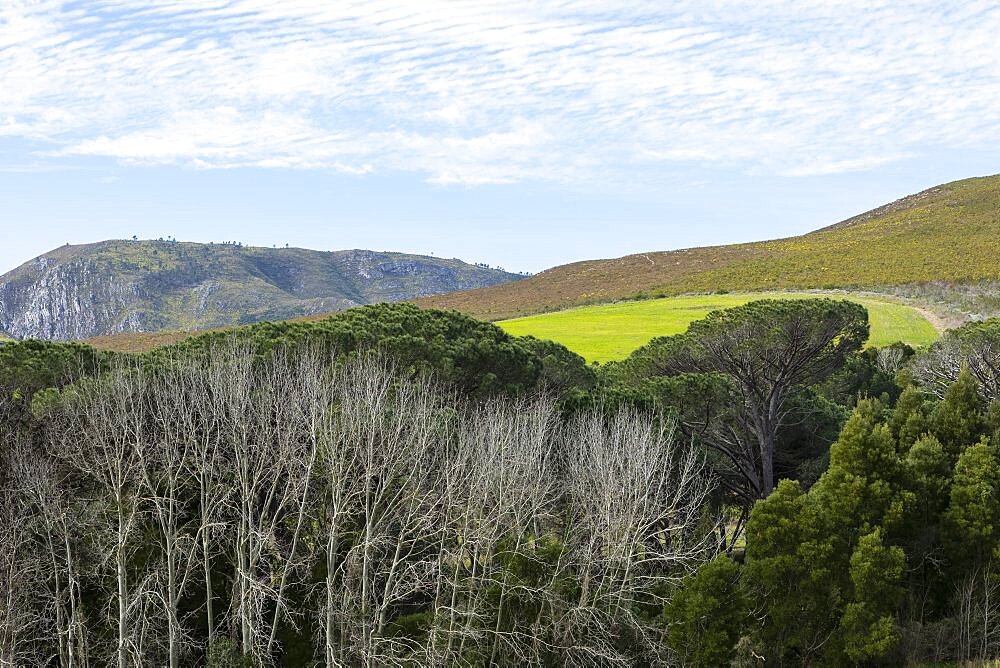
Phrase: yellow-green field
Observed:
(612, 331)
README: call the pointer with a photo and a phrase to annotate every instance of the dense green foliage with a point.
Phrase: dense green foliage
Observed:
(27, 367)
(892, 555)
(737, 378)
(385, 486)
(472, 356)
(705, 616)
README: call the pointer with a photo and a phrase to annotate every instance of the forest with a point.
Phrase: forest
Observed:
(394, 486)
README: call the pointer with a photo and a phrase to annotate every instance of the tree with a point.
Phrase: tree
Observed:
(97, 432)
(869, 623)
(972, 524)
(974, 347)
(497, 488)
(973, 516)
(706, 615)
(957, 420)
(813, 588)
(909, 418)
(270, 445)
(764, 350)
(49, 568)
(637, 495)
(791, 603)
(33, 625)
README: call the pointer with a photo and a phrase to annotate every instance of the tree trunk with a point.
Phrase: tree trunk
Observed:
(767, 464)
(122, 589)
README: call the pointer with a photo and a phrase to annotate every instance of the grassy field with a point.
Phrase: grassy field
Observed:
(948, 234)
(612, 331)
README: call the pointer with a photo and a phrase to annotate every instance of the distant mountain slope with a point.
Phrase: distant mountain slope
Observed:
(76, 292)
(947, 233)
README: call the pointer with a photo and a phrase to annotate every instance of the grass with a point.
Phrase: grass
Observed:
(950, 233)
(612, 331)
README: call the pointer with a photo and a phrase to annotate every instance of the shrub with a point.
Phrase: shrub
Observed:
(706, 615)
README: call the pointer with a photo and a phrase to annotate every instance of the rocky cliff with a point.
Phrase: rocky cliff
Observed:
(76, 292)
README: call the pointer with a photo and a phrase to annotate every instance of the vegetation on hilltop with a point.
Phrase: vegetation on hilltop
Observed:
(97, 289)
(950, 233)
(475, 357)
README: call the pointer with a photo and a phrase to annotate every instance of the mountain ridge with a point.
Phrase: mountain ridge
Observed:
(946, 233)
(118, 286)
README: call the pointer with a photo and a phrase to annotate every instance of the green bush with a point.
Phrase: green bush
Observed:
(705, 617)
(474, 357)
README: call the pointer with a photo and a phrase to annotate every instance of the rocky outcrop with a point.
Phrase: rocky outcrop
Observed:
(65, 301)
(77, 292)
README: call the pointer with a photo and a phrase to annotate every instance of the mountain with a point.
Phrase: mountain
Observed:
(947, 235)
(77, 292)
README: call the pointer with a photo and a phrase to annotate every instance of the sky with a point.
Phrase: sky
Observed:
(521, 134)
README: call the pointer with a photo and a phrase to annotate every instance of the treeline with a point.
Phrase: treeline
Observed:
(394, 486)
(893, 556)
(262, 499)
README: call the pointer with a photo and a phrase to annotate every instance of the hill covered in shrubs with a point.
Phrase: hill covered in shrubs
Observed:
(78, 292)
(945, 236)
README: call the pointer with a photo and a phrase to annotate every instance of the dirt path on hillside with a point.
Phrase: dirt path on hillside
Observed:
(940, 320)
(942, 323)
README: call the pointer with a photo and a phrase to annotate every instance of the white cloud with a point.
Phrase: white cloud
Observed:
(823, 167)
(486, 92)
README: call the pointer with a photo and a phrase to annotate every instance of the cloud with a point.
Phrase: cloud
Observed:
(485, 92)
(824, 167)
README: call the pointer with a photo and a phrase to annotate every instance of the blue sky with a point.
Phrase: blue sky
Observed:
(523, 134)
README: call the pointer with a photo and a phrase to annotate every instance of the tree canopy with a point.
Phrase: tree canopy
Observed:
(732, 376)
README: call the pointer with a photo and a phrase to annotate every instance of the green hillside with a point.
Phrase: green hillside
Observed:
(612, 331)
(949, 234)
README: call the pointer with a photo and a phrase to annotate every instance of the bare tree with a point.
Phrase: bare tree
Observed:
(308, 398)
(978, 599)
(498, 491)
(271, 454)
(52, 524)
(385, 433)
(26, 631)
(207, 464)
(100, 436)
(889, 360)
(975, 347)
(18, 613)
(636, 498)
(165, 459)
